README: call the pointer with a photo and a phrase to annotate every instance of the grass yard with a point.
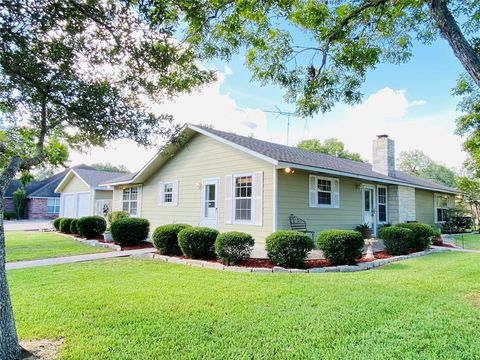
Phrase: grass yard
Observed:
(424, 308)
(471, 241)
(31, 245)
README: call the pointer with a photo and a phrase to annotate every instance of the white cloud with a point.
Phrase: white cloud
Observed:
(387, 112)
(207, 106)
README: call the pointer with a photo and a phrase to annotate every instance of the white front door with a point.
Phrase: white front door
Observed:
(68, 204)
(210, 203)
(368, 206)
(83, 204)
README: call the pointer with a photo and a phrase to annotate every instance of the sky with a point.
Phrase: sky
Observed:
(411, 102)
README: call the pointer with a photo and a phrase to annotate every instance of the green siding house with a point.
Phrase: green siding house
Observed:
(230, 182)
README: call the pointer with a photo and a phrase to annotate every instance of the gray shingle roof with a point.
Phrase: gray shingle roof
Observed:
(296, 156)
(124, 177)
(45, 187)
(96, 177)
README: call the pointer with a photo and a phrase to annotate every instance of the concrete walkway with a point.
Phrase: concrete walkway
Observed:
(76, 258)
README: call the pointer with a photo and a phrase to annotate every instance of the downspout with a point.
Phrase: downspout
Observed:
(275, 199)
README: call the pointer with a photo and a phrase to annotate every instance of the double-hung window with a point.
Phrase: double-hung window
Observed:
(441, 208)
(168, 193)
(130, 199)
(243, 198)
(382, 204)
(324, 192)
(53, 206)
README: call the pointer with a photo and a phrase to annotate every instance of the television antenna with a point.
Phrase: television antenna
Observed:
(283, 113)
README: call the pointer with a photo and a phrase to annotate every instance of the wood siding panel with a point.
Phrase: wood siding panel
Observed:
(293, 199)
(203, 158)
(424, 206)
(75, 185)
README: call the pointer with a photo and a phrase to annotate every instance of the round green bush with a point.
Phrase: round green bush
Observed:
(91, 226)
(288, 248)
(73, 226)
(396, 239)
(9, 215)
(421, 235)
(65, 225)
(233, 246)
(130, 231)
(340, 247)
(198, 242)
(56, 223)
(165, 238)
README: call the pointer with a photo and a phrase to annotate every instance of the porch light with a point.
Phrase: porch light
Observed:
(289, 170)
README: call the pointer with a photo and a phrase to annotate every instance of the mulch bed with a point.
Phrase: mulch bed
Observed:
(309, 263)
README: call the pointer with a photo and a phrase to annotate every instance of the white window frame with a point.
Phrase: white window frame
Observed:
(234, 200)
(386, 204)
(122, 201)
(164, 193)
(56, 205)
(435, 207)
(333, 204)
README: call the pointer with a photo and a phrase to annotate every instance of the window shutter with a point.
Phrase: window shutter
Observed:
(120, 200)
(160, 193)
(228, 199)
(336, 193)
(139, 201)
(175, 193)
(257, 205)
(313, 191)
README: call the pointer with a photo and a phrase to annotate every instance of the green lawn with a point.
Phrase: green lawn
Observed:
(424, 308)
(30, 245)
(471, 241)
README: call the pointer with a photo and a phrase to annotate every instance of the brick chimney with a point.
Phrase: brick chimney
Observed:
(384, 155)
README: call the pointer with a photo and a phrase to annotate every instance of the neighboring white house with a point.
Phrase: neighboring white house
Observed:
(82, 195)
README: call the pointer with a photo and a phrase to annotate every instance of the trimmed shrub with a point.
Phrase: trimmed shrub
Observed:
(288, 248)
(165, 238)
(197, 242)
(91, 226)
(396, 239)
(73, 226)
(130, 231)
(65, 225)
(9, 215)
(233, 246)
(117, 215)
(56, 223)
(456, 222)
(341, 247)
(421, 235)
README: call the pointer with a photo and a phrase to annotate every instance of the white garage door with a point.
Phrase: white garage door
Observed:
(83, 204)
(68, 206)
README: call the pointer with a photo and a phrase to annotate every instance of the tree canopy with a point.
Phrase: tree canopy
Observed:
(419, 164)
(331, 146)
(75, 74)
(320, 52)
(110, 167)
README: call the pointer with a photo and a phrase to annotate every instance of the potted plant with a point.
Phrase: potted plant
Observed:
(365, 230)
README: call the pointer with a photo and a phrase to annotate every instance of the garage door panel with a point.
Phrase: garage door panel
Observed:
(69, 205)
(83, 204)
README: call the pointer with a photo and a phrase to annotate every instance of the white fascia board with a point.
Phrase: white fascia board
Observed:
(362, 177)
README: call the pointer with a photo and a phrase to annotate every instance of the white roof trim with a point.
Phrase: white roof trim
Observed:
(64, 180)
(232, 144)
(203, 132)
(369, 178)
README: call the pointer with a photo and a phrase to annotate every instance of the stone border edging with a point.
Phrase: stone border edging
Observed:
(92, 242)
(278, 269)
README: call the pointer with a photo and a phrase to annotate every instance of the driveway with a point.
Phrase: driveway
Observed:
(26, 225)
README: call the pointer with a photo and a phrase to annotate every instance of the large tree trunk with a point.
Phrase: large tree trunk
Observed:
(450, 30)
(9, 348)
